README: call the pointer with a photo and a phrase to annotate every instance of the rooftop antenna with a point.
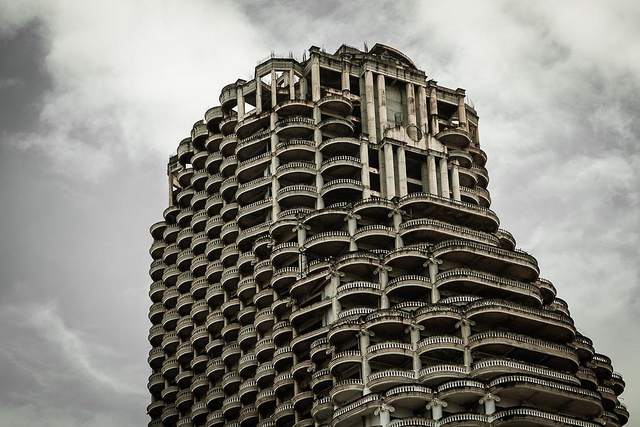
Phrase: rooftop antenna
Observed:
(366, 47)
(304, 55)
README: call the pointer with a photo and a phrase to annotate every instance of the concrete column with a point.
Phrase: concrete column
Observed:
(411, 104)
(462, 112)
(432, 262)
(455, 180)
(414, 330)
(444, 178)
(275, 162)
(352, 226)
(274, 89)
(396, 214)
(465, 331)
(390, 180)
(384, 414)
(433, 111)
(303, 88)
(370, 102)
(364, 158)
(335, 283)
(315, 78)
(317, 136)
(258, 95)
(433, 177)
(424, 177)
(240, 97)
(436, 406)
(382, 105)
(422, 109)
(489, 402)
(366, 369)
(383, 279)
(402, 171)
(292, 86)
(346, 84)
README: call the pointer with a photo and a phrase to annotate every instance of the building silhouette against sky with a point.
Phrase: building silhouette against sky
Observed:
(328, 257)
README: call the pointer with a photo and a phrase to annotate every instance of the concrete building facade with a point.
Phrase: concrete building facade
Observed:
(328, 257)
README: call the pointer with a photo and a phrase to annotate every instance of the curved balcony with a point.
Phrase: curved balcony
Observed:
(253, 238)
(390, 378)
(199, 385)
(169, 319)
(231, 382)
(262, 273)
(296, 150)
(603, 368)
(456, 138)
(333, 217)
(156, 291)
(198, 160)
(212, 144)
(215, 419)
(341, 146)
(184, 197)
(247, 366)
(436, 374)
(215, 369)
(231, 353)
(295, 127)
(184, 259)
(247, 336)
(336, 127)
(155, 384)
(282, 358)
(170, 275)
(184, 327)
(184, 238)
(375, 237)
(157, 229)
(284, 414)
(157, 249)
(253, 168)
(170, 234)
(342, 189)
(199, 200)
(156, 269)
(430, 230)
(467, 281)
(253, 123)
(297, 196)
(184, 354)
(328, 243)
(441, 347)
(199, 241)
(248, 416)
(285, 254)
(199, 337)
(341, 167)
(322, 410)
(248, 313)
(228, 125)
(264, 374)
(156, 333)
(255, 214)
(214, 398)
(424, 205)
(169, 415)
(253, 145)
(171, 253)
(527, 349)
(170, 214)
(282, 333)
(184, 177)
(359, 293)
(154, 409)
(170, 368)
(170, 342)
(335, 104)
(364, 406)
(213, 207)
(294, 107)
(266, 401)
(481, 174)
(198, 266)
(313, 311)
(212, 166)
(228, 190)
(231, 407)
(283, 384)
(344, 361)
(229, 255)
(184, 281)
(229, 211)
(529, 321)
(156, 357)
(199, 363)
(296, 172)
(390, 353)
(535, 417)
(214, 295)
(408, 286)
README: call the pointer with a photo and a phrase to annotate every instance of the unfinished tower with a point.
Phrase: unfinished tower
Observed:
(328, 258)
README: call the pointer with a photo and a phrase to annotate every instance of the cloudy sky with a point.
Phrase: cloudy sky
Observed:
(95, 96)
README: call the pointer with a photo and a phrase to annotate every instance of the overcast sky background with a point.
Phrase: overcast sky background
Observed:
(95, 96)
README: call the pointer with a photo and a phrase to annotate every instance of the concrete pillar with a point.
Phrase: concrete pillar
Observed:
(414, 330)
(317, 136)
(433, 177)
(462, 112)
(275, 162)
(335, 283)
(422, 110)
(292, 86)
(370, 102)
(352, 226)
(303, 87)
(402, 171)
(384, 414)
(444, 178)
(433, 111)
(489, 402)
(424, 177)
(383, 279)
(455, 180)
(436, 406)
(364, 335)
(396, 214)
(315, 78)
(382, 105)
(364, 158)
(346, 84)
(432, 262)
(258, 95)
(411, 104)
(274, 89)
(240, 98)
(465, 332)
(390, 180)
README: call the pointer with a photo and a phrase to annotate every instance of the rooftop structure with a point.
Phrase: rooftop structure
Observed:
(328, 256)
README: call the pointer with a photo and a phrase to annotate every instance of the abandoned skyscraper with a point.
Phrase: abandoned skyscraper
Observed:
(328, 257)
